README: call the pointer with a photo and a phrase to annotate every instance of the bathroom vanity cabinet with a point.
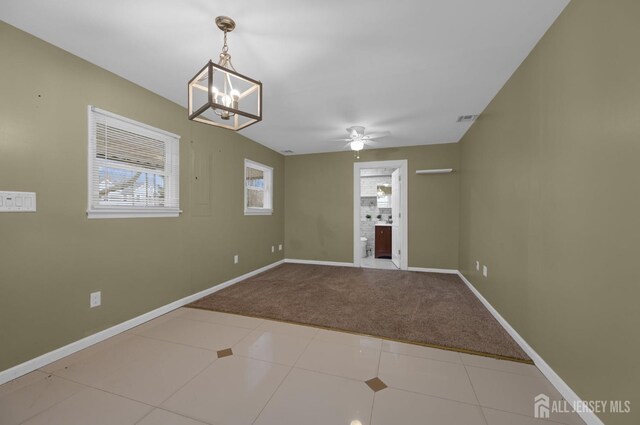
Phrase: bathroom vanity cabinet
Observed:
(383, 241)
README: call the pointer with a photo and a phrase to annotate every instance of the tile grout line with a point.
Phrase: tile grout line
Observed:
(505, 371)
(461, 362)
(213, 350)
(146, 414)
(425, 358)
(432, 396)
(281, 382)
(93, 386)
(90, 387)
(247, 356)
(188, 381)
(218, 323)
(388, 386)
(50, 375)
(199, 321)
(373, 402)
(475, 394)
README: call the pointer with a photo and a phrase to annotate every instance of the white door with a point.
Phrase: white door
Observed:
(395, 216)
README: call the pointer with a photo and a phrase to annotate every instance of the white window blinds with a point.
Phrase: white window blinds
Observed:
(258, 192)
(133, 168)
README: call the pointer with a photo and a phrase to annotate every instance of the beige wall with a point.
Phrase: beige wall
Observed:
(550, 200)
(319, 205)
(52, 259)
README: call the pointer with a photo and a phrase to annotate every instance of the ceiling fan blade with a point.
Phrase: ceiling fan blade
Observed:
(378, 134)
(355, 131)
(340, 140)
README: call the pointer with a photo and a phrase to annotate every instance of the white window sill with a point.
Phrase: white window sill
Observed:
(132, 213)
(258, 212)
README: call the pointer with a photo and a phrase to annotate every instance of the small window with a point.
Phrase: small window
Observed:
(258, 192)
(133, 168)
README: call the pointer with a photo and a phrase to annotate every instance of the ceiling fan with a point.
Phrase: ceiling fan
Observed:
(358, 139)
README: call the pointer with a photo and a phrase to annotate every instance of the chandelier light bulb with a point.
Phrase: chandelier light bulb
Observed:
(235, 95)
(214, 93)
(226, 100)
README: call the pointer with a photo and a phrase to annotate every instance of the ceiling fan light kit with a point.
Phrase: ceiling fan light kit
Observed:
(357, 139)
(221, 96)
(357, 145)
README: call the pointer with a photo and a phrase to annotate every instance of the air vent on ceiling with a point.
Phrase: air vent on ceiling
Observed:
(287, 151)
(467, 118)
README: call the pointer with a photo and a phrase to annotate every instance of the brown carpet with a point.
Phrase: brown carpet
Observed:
(422, 308)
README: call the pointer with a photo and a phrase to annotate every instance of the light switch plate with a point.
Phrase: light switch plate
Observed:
(477, 265)
(17, 201)
(485, 271)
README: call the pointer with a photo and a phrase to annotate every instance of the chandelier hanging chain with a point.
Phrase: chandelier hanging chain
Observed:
(225, 48)
(225, 57)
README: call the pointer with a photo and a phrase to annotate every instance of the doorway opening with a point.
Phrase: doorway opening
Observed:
(380, 215)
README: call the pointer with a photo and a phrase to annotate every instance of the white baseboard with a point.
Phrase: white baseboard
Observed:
(428, 270)
(590, 418)
(318, 263)
(52, 356)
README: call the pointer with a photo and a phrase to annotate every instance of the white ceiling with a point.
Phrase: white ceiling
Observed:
(410, 67)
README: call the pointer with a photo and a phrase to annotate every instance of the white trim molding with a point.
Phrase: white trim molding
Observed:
(267, 208)
(318, 263)
(589, 417)
(52, 356)
(403, 166)
(428, 270)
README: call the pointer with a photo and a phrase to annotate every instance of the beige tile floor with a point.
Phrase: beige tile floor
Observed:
(167, 372)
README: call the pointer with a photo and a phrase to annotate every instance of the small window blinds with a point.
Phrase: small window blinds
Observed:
(258, 193)
(133, 168)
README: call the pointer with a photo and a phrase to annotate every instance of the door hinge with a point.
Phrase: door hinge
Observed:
(398, 252)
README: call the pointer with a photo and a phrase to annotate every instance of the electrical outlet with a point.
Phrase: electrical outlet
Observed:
(95, 299)
(236, 258)
(280, 247)
(477, 265)
(484, 271)
(273, 248)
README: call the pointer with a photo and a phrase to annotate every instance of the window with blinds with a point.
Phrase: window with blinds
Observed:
(258, 192)
(133, 168)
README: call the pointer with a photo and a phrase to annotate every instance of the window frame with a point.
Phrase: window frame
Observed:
(268, 189)
(172, 173)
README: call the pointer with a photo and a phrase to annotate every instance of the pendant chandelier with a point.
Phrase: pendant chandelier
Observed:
(221, 96)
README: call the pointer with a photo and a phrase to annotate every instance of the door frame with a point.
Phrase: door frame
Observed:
(402, 165)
